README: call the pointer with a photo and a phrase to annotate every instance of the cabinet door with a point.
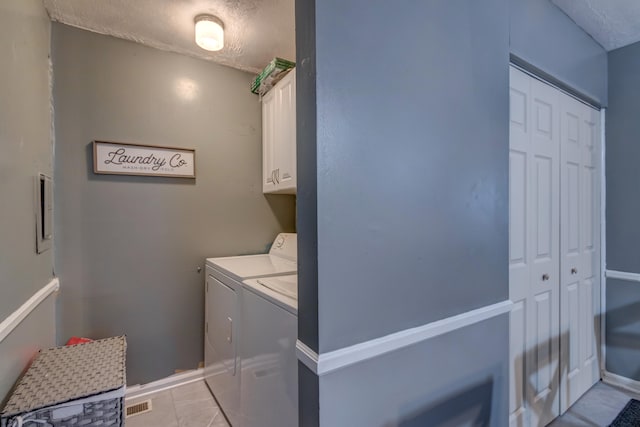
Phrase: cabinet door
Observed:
(285, 146)
(269, 135)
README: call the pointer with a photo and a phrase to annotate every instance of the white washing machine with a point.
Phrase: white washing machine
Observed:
(223, 304)
(269, 366)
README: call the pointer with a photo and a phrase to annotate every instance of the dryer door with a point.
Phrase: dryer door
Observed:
(221, 359)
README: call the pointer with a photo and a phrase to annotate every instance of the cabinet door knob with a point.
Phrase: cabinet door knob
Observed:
(574, 270)
(545, 277)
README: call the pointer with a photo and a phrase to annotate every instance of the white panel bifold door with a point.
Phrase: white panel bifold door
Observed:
(554, 250)
(534, 250)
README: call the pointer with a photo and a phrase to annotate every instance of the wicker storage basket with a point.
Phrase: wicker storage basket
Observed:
(79, 385)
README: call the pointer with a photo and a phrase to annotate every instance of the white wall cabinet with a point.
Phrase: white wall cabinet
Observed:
(554, 250)
(279, 137)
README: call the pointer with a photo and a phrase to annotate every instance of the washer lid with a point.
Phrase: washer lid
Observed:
(284, 285)
(250, 266)
(281, 290)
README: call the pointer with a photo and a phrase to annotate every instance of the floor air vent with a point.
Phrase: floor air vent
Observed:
(138, 408)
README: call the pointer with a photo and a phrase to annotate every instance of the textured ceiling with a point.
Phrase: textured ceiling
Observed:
(612, 23)
(255, 30)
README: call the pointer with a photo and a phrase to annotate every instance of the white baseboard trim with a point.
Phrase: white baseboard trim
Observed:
(324, 363)
(620, 381)
(623, 275)
(11, 322)
(163, 384)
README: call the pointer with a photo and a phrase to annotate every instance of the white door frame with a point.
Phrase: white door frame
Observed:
(603, 240)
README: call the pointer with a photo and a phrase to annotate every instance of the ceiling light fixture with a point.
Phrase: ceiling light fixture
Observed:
(209, 32)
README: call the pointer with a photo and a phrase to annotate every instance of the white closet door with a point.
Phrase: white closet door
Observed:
(519, 259)
(543, 352)
(534, 253)
(580, 243)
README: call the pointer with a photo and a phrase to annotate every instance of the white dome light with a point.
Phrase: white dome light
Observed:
(209, 32)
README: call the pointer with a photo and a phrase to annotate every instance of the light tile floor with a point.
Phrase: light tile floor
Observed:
(191, 405)
(597, 408)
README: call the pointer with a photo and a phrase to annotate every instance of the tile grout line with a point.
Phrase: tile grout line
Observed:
(173, 404)
(198, 398)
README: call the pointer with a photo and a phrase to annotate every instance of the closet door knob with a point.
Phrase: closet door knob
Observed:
(545, 277)
(574, 271)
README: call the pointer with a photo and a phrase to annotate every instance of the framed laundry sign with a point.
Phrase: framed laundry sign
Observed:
(115, 158)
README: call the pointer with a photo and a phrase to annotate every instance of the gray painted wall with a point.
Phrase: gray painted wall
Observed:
(456, 379)
(308, 397)
(410, 150)
(307, 206)
(307, 196)
(129, 246)
(35, 332)
(25, 151)
(546, 37)
(623, 211)
(25, 147)
(623, 328)
(412, 146)
(623, 154)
